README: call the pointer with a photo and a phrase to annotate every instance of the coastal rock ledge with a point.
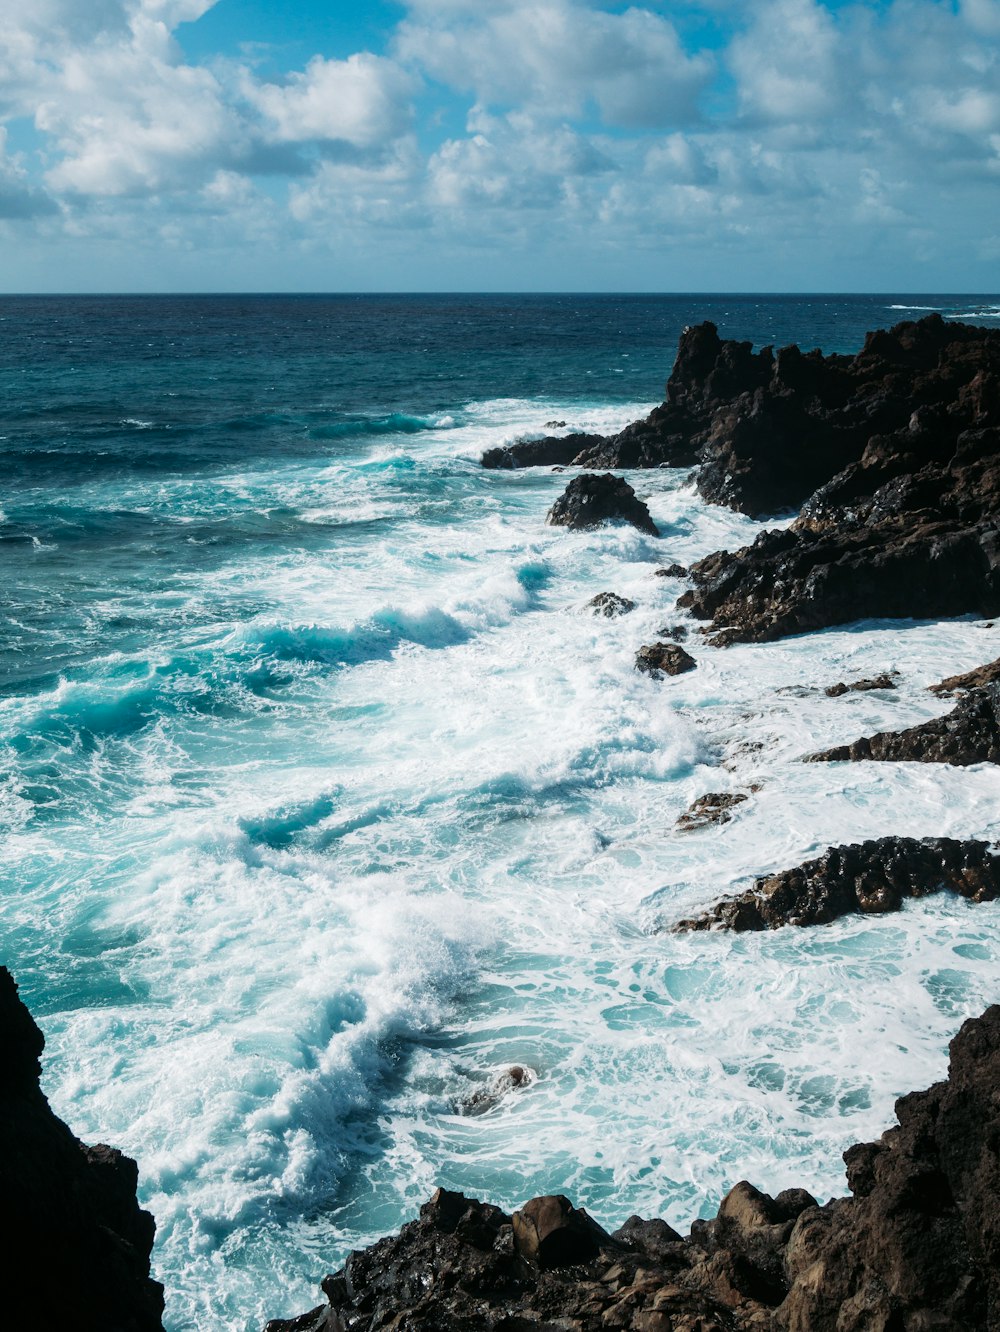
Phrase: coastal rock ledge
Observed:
(76, 1245)
(916, 1248)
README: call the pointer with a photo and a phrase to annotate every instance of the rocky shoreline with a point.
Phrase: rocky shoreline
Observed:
(892, 457)
(915, 1246)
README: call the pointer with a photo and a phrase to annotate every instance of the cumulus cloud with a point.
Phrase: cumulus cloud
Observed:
(363, 101)
(557, 57)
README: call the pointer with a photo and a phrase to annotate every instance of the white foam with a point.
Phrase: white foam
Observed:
(397, 812)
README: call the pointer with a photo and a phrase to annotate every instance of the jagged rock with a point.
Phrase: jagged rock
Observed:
(512, 1079)
(970, 733)
(715, 807)
(554, 450)
(610, 604)
(551, 1232)
(915, 1248)
(869, 878)
(659, 659)
(974, 679)
(671, 571)
(70, 1214)
(590, 500)
(884, 681)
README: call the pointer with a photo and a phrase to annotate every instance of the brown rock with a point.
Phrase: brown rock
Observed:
(659, 659)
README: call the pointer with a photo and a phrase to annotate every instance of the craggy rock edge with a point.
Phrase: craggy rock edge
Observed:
(865, 878)
(76, 1244)
(915, 1247)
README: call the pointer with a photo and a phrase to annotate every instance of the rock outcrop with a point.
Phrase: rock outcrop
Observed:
(610, 605)
(552, 451)
(591, 500)
(714, 808)
(884, 681)
(658, 659)
(969, 734)
(867, 878)
(915, 1247)
(76, 1244)
(974, 679)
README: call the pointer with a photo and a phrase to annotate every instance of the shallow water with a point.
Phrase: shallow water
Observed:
(326, 800)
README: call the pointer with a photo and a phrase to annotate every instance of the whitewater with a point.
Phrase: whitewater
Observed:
(327, 800)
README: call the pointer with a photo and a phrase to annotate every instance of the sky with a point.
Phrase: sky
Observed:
(499, 145)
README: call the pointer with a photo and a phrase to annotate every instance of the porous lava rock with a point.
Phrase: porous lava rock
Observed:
(974, 679)
(592, 499)
(552, 451)
(915, 1248)
(658, 659)
(867, 878)
(610, 605)
(969, 734)
(713, 808)
(72, 1228)
(884, 681)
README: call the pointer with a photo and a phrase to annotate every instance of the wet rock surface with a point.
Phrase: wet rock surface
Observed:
(887, 681)
(867, 878)
(610, 605)
(591, 499)
(73, 1229)
(713, 808)
(552, 451)
(915, 1246)
(659, 659)
(974, 679)
(969, 734)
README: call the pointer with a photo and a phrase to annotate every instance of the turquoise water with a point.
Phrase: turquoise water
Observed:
(325, 801)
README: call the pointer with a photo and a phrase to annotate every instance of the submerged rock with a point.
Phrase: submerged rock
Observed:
(76, 1244)
(659, 659)
(590, 500)
(610, 604)
(885, 681)
(869, 878)
(715, 807)
(916, 1246)
(969, 734)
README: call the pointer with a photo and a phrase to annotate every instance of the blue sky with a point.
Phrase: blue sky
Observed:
(463, 145)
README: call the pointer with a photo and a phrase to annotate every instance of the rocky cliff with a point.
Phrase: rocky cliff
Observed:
(75, 1244)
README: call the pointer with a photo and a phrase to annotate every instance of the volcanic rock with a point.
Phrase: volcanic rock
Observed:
(658, 659)
(915, 1248)
(71, 1223)
(554, 450)
(671, 571)
(590, 500)
(610, 604)
(969, 734)
(974, 679)
(885, 681)
(715, 807)
(868, 878)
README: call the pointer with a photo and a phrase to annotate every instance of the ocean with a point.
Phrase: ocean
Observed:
(325, 800)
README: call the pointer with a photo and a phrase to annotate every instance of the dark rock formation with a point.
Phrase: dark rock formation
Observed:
(970, 733)
(659, 659)
(885, 681)
(671, 571)
(515, 1078)
(915, 1248)
(73, 1230)
(590, 500)
(610, 604)
(907, 525)
(869, 878)
(974, 679)
(553, 451)
(715, 807)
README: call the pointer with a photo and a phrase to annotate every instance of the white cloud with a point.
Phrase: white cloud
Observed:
(363, 100)
(556, 57)
(789, 64)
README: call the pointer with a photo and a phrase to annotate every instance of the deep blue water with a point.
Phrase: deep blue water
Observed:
(323, 801)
